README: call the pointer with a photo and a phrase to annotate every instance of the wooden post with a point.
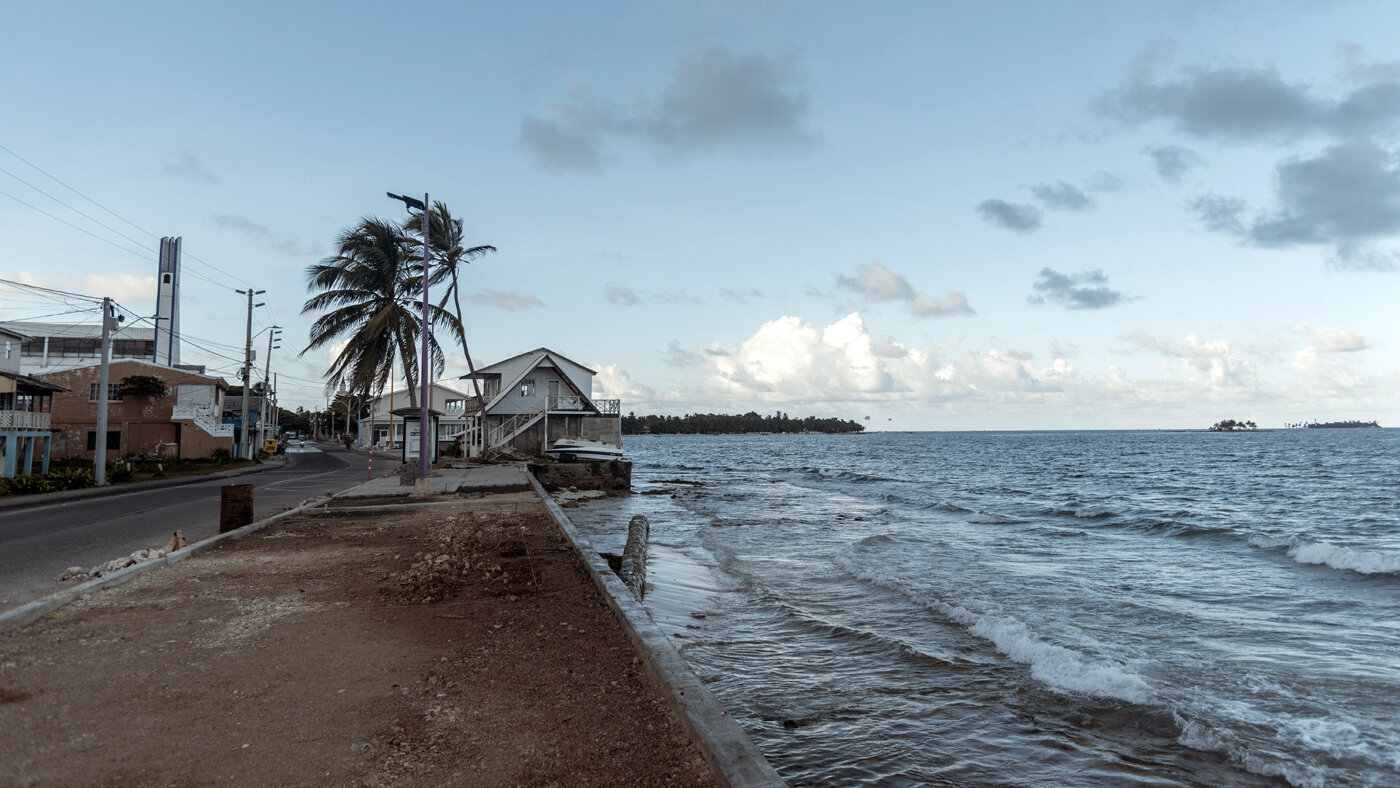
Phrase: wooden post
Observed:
(235, 506)
(634, 557)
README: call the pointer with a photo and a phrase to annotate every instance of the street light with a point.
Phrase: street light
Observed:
(423, 460)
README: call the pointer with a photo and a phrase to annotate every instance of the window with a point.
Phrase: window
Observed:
(114, 440)
(553, 389)
(491, 387)
(527, 387)
(113, 394)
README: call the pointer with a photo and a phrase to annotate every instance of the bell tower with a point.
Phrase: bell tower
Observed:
(167, 351)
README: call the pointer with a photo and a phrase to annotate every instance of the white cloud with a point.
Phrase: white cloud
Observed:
(612, 382)
(505, 299)
(620, 295)
(1338, 340)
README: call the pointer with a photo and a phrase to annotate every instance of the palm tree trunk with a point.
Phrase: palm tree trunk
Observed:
(457, 303)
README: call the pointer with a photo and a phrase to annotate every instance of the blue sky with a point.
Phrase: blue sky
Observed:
(940, 216)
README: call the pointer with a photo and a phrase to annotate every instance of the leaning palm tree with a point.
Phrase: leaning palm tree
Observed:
(366, 291)
(449, 252)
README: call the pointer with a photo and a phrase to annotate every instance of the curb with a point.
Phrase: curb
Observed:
(25, 614)
(48, 499)
(733, 758)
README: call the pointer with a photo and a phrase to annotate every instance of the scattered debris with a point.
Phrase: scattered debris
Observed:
(138, 557)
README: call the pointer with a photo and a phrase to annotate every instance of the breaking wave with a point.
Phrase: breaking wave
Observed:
(1365, 562)
(1058, 667)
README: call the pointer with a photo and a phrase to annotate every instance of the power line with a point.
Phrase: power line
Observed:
(56, 179)
(71, 208)
(75, 191)
(42, 289)
(145, 256)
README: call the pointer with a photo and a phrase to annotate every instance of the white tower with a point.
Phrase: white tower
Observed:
(167, 351)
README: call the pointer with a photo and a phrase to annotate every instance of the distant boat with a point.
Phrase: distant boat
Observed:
(581, 449)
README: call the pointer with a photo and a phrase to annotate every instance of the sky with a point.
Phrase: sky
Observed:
(920, 216)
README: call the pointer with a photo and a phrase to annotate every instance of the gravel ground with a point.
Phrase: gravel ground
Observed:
(445, 646)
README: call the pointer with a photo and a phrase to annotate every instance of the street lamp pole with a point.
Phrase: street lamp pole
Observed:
(424, 460)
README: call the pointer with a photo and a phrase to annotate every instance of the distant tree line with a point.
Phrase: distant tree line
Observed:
(722, 424)
(1230, 425)
(1335, 424)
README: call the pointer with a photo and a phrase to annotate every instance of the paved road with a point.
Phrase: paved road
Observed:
(38, 544)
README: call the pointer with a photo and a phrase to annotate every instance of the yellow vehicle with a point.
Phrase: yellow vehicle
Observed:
(270, 445)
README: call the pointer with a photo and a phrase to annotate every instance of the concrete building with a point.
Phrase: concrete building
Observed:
(384, 430)
(183, 423)
(54, 347)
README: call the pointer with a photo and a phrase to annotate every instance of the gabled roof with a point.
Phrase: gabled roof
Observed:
(491, 369)
(403, 393)
(544, 355)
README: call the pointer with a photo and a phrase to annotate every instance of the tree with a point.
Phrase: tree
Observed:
(148, 387)
(449, 252)
(367, 293)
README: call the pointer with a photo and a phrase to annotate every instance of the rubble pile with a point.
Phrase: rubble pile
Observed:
(138, 557)
(459, 546)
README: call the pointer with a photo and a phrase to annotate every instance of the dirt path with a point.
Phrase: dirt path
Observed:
(440, 647)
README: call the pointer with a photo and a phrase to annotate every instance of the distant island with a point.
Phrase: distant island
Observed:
(1334, 425)
(722, 424)
(1230, 425)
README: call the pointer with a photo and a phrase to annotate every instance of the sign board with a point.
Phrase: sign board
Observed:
(411, 437)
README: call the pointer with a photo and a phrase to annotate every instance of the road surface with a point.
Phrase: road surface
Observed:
(39, 543)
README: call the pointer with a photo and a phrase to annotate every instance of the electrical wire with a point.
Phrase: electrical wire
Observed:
(144, 256)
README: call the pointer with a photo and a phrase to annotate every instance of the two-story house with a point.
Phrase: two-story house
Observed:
(534, 399)
(25, 405)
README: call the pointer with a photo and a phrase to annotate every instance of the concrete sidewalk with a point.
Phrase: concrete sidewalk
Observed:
(451, 481)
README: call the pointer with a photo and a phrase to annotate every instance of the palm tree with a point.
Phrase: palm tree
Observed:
(446, 241)
(366, 292)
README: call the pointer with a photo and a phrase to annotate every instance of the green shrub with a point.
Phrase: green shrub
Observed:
(29, 485)
(120, 473)
(221, 456)
(71, 478)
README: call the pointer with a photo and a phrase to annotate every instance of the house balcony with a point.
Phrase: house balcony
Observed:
(573, 404)
(23, 420)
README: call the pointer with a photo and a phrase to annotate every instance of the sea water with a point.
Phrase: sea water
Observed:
(1036, 608)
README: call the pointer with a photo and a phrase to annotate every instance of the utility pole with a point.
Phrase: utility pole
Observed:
(263, 406)
(276, 407)
(245, 447)
(99, 468)
(424, 459)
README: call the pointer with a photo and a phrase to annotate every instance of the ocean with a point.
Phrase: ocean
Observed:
(1035, 608)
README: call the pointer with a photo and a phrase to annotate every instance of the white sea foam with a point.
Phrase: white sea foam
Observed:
(1306, 738)
(1056, 666)
(1062, 669)
(1366, 562)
